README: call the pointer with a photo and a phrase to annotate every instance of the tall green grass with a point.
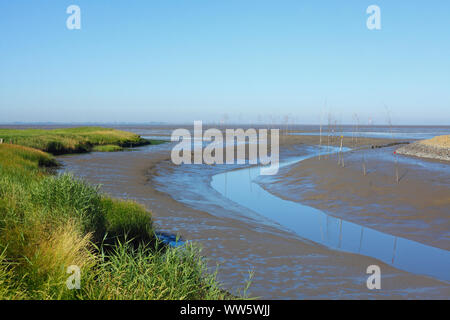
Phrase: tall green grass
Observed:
(48, 223)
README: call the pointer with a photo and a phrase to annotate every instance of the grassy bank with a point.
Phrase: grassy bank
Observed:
(439, 142)
(73, 140)
(107, 148)
(48, 223)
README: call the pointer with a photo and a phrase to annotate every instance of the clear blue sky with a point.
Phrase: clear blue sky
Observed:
(173, 60)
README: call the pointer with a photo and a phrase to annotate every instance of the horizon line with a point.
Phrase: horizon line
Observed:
(92, 123)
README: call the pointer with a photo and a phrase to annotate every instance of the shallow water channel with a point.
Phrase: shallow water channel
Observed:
(336, 233)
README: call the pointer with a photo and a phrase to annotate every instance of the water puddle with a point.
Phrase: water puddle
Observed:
(319, 227)
(170, 239)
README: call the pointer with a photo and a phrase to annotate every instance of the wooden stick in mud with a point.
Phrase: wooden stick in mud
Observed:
(320, 139)
(364, 165)
(397, 179)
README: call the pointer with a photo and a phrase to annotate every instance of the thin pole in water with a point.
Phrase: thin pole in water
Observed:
(393, 252)
(361, 239)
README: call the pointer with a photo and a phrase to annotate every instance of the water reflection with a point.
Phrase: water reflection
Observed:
(319, 227)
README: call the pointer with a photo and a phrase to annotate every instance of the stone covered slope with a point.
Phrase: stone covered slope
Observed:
(436, 148)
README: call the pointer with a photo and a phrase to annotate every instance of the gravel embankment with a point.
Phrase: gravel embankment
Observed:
(427, 149)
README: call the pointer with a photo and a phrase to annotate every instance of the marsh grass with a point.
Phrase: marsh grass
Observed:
(156, 141)
(107, 148)
(48, 223)
(126, 220)
(72, 140)
(145, 273)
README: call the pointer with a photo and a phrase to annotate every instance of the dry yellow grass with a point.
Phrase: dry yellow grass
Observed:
(63, 247)
(439, 141)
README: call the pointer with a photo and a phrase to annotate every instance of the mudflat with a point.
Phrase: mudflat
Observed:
(284, 265)
(416, 208)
